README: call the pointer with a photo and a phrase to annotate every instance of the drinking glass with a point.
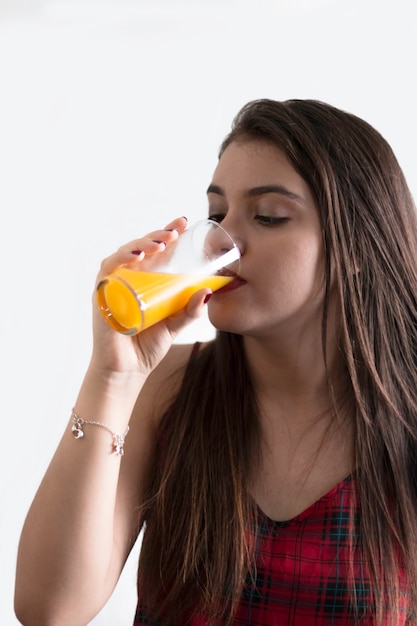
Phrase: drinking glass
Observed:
(204, 255)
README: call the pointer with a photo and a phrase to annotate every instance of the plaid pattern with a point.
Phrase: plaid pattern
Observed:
(301, 571)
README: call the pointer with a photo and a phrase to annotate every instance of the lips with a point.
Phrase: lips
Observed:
(234, 284)
(224, 271)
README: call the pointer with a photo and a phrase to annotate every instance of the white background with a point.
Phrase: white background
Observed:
(111, 115)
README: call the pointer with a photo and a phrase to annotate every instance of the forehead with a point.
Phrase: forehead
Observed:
(252, 152)
(253, 163)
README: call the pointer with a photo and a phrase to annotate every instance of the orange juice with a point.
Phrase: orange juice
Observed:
(131, 300)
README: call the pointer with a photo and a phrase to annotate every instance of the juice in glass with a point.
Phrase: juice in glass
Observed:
(132, 300)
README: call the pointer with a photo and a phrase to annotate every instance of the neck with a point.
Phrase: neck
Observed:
(294, 382)
(305, 448)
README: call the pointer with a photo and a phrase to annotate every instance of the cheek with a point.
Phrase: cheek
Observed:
(301, 272)
(310, 257)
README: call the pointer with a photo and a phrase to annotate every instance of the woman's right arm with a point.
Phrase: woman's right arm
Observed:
(85, 516)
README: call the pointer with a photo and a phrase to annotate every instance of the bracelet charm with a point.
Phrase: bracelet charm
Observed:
(77, 427)
(78, 432)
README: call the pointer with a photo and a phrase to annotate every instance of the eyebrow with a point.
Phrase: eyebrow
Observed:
(260, 191)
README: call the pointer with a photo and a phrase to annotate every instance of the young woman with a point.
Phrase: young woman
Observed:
(274, 468)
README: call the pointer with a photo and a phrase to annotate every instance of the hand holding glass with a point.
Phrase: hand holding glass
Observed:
(131, 300)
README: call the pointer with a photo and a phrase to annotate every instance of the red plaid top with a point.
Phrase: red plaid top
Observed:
(301, 571)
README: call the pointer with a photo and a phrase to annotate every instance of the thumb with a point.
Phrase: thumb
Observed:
(194, 309)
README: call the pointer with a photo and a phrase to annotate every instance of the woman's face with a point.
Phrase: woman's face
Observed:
(270, 211)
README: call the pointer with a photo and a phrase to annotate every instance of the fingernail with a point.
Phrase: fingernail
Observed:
(156, 241)
(207, 298)
(137, 252)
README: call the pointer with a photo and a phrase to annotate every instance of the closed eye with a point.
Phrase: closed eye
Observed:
(264, 220)
(217, 217)
(267, 220)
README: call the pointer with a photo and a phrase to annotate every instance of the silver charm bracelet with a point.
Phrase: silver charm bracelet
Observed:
(78, 432)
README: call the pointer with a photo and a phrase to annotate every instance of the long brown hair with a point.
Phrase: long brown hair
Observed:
(195, 548)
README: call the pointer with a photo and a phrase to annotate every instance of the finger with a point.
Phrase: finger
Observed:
(138, 249)
(179, 224)
(194, 309)
(157, 239)
(152, 242)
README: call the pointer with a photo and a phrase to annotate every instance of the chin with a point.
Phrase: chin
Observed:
(227, 324)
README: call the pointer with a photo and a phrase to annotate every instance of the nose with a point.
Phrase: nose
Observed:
(220, 247)
(234, 232)
(238, 241)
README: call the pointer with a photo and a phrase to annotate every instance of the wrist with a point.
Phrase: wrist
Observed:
(77, 430)
(108, 397)
(114, 381)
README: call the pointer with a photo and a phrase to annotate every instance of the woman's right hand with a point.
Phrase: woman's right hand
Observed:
(115, 353)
